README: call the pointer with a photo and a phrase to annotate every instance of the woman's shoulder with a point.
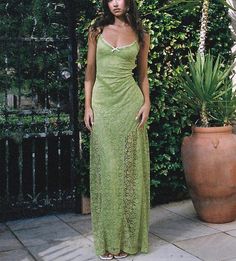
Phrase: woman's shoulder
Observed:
(146, 34)
(146, 37)
(145, 41)
(94, 32)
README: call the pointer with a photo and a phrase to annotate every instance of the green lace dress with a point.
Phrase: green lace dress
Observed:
(119, 154)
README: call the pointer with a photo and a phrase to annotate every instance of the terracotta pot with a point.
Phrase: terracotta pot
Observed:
(234, 127)
(85, 205)
(209, 160)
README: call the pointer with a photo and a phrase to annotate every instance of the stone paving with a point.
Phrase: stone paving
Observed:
(175, 234)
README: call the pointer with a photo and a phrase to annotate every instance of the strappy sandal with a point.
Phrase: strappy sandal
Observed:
(107, 256)
(121, 255)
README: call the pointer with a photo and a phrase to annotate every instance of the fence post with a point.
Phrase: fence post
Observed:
(73, 96)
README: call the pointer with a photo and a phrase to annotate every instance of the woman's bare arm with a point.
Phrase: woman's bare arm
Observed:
(90, 74)
(143, 79)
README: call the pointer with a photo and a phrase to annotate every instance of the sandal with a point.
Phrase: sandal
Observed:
(121, 255)
(106, 256)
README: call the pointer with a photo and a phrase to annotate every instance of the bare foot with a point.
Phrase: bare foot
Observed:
(106, 256)
(122, 254)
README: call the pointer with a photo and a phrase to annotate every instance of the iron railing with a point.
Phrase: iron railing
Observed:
(38, 125)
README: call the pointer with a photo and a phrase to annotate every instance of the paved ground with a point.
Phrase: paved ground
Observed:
(175, 234)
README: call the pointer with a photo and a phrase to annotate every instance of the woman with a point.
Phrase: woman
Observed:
(116, 112)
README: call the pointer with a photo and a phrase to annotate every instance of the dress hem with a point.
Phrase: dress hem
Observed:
(130, 251)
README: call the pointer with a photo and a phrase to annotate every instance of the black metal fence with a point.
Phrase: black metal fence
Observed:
(38, 126)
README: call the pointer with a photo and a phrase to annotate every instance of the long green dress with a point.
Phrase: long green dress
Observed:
(119, 154)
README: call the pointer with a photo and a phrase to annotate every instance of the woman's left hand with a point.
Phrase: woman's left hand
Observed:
(143, 112)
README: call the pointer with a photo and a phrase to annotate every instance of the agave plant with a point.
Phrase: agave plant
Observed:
(224, 109)
(208, 88)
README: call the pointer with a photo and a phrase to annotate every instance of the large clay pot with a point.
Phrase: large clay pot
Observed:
(234, 127)
(209, 160)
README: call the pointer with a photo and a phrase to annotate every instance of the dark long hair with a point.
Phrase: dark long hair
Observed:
(131, 17)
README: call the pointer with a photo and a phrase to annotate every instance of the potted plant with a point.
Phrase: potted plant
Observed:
(208, 155)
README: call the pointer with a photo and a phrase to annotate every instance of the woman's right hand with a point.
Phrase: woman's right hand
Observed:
(88, 118)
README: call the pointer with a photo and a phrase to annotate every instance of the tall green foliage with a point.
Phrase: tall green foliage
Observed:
(209, 89)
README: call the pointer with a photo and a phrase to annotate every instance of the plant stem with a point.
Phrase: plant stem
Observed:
(203, 30)
(203, 115)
